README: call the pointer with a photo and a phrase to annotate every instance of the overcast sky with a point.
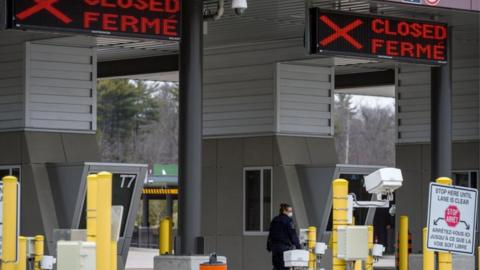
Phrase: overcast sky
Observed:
(372, 101)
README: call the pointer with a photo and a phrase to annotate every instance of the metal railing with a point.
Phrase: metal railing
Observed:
(145, 237)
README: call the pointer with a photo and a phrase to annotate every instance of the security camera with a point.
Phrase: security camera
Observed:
(239, 6)
(384, 181)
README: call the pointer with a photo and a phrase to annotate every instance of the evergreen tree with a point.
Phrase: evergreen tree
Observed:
(124, 106)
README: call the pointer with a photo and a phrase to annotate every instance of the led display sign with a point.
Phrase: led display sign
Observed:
(143, 18)
(340, 33)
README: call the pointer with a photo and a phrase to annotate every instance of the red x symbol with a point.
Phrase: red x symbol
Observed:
(341, 32)
(44, 5)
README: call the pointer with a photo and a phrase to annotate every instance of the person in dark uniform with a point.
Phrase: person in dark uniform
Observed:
(282, 236)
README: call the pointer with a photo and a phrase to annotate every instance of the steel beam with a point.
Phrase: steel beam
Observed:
(137, 66)
(145, 212)
(441, 118)
(365, 79)
(190, 132)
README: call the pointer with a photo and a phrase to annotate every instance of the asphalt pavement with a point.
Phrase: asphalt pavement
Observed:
(142, 259)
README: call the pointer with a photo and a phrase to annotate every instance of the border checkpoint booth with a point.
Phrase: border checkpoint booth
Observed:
(257, 86)
(268, 114)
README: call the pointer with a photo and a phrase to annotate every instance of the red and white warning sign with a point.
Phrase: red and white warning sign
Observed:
(432, 2)
(452, 216)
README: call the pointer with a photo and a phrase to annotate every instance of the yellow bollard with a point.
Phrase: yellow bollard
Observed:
(10, 226)
(104, 221)
(166, 237)
(39, 244)
(428, 255)
(444, 258)
(92, 187)
(403, 243)
(114, 255)
(22, 254)
(444, 181)
(340, 208)
(369, 261)
(358, 265)
(312, 242)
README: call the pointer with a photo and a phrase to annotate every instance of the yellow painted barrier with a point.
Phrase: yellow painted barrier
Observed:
(444, 258)
(340, 208)
(166, 236)
(10, 226)
(22, 254)
(369, 261)
(428, 255)
(104, 221)
(114, 255)
(92, 187)
(39, 244)
(403, 243)
(358, 265)
(312, 242)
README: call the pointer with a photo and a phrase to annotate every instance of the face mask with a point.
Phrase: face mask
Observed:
(290, 215)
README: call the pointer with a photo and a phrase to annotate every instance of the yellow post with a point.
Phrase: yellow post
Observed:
(39, 251)
(92, 187)
(444, 258)
(114, 255)
(340, 208)
(369, 261)
(358, 265)
(166, 238)
(428, 255)
(10, 226)
(403, 243)
(312, 242)
(104, 221)
(22, 254)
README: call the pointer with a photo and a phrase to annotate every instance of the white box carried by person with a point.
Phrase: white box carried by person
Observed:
(296, 258)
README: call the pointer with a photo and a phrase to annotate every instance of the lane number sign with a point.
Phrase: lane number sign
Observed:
(452, 218)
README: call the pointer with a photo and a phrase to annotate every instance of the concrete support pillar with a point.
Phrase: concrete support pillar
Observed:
(190, 131)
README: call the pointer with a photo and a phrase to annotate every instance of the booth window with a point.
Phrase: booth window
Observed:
(257, 199)
(10, 170)
(467, 178)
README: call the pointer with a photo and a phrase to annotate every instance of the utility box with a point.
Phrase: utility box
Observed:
(296, 258)
(76, 255)
(352, 243)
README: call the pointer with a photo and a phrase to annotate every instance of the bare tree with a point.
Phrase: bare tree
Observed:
(159, 140)
(365, 134)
